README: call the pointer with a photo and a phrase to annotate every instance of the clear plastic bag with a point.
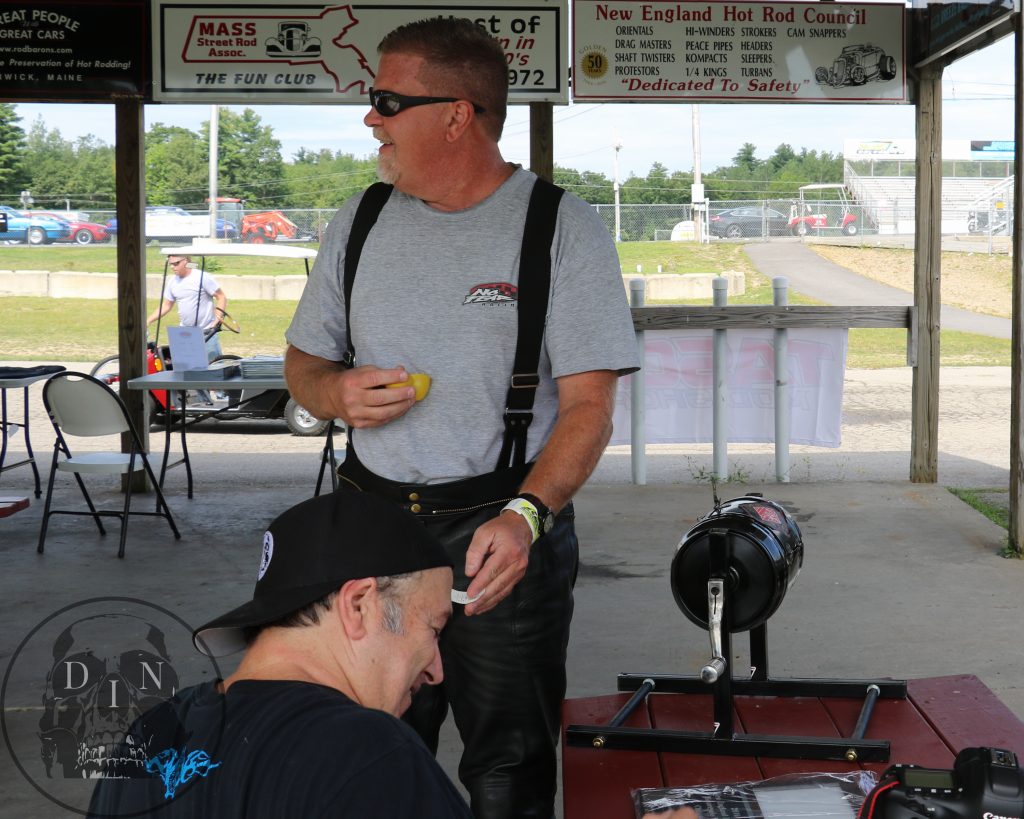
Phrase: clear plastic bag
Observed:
(793, 796)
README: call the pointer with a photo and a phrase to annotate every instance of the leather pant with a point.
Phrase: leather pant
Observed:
(504, 671)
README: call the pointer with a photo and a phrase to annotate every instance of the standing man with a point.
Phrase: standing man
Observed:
(342, 629)
(200, 300)
(439, 290)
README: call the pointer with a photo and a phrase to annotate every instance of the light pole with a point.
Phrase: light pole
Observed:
(213, 166)
(697, 189)
(617, 145)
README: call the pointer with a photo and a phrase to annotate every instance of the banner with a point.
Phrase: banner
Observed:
(269, 51)
(656, 50)
(72, 51)
(678, 381)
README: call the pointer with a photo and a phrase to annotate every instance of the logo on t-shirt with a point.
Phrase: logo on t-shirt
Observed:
(492, 293)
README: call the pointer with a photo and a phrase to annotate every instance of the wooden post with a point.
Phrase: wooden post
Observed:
(542, 154)
(131, 267)
(924, 423)
(1017, 300)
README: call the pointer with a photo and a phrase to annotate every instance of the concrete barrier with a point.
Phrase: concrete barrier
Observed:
(67, 284)
(686, 286)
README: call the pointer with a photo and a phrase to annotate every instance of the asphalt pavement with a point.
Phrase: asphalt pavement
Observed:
(830, 283)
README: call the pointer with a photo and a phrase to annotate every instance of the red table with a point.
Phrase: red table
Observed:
(940, 716)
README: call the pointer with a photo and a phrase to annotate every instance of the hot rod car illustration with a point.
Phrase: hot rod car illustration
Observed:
(855, 65)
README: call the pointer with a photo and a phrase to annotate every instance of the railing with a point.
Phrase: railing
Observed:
(780, 318)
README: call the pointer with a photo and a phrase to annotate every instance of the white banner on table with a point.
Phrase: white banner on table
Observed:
(656, 50)
(678, 387)
(271, 51)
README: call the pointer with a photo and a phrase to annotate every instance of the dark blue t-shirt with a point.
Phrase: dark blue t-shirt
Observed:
(274, 749)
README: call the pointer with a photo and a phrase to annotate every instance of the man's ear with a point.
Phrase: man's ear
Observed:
(356, 606)
(459, 120)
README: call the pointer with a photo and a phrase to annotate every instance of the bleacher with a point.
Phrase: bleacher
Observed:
(888, 201)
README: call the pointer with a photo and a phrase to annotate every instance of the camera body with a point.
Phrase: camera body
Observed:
(985, 783)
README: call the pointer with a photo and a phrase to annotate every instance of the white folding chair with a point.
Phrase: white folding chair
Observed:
(83, 406)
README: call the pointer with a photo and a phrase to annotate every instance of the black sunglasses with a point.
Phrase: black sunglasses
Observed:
(389, 104)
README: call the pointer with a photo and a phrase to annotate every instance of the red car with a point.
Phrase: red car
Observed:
(82, 232)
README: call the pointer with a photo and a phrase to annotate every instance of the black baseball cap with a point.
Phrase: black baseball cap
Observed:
(316, 547)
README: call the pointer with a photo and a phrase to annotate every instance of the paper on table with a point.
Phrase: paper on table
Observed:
(188, 349)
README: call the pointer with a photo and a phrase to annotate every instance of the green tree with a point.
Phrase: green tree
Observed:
(177, 167)
(323, 179)
(249, 159)
(79, 174)
(590, 186)
(13, 174)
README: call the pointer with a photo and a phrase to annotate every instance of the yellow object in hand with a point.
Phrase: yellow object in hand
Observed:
(419, 381)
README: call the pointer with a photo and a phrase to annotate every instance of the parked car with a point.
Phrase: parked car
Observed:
(748, 221)
(83, 232)
(172, 222)
(36, 230)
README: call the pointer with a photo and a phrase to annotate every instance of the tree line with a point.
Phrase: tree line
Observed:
(79, 174)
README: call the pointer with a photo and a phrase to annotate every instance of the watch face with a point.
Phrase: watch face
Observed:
(548, 523)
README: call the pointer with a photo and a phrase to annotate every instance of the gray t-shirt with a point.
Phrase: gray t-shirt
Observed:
(436, 293)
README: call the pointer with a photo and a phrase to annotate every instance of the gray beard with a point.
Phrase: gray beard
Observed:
(386, 172)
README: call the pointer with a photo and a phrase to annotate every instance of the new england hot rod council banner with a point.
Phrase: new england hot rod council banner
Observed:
(650, 50)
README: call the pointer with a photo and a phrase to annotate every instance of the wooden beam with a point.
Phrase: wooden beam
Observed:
(131, 265)
(542, 152)
(1016, 522)
(924, 411)
(758, 316)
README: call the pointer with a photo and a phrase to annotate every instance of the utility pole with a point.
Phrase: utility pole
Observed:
(617, 145)
(697, 189)
(213, 167)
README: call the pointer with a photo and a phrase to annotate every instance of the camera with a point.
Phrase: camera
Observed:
(985, 783)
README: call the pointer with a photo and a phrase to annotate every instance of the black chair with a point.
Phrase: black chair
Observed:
(329, 458)
(83, 406)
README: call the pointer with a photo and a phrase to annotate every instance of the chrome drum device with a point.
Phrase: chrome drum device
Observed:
(730, 573)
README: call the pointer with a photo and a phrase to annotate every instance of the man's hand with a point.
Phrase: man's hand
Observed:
(357, 396)
(497, 559)
(362, 401)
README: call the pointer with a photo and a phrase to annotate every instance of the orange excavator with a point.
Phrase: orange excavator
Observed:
(257, 228)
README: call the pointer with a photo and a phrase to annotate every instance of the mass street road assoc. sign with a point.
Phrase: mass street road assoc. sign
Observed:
(266, 52)
(72, 51)
(647, 50)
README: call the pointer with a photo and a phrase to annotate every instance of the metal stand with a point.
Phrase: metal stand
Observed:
(723, 739)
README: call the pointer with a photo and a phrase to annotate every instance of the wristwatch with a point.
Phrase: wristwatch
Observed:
(546, 516)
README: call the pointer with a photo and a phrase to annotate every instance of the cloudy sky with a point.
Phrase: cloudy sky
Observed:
(977, 92)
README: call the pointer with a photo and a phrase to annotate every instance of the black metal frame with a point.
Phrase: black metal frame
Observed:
(724, 739)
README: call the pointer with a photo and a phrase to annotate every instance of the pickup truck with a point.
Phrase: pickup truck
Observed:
(170, 222)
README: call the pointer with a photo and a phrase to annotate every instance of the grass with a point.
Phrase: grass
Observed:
(991, 502)
(102, 258)
(43, 329)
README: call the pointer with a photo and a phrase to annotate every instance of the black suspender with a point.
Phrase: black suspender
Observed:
(370, 206)
(532, 306)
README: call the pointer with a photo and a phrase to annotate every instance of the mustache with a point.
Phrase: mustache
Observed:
(380, 134)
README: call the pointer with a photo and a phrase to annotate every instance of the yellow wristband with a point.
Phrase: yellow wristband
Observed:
(529, 512)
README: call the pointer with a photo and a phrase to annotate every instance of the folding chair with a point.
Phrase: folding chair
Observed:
(329, 458)
(81, 405)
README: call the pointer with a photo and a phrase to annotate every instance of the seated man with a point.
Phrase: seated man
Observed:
(351, 596)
